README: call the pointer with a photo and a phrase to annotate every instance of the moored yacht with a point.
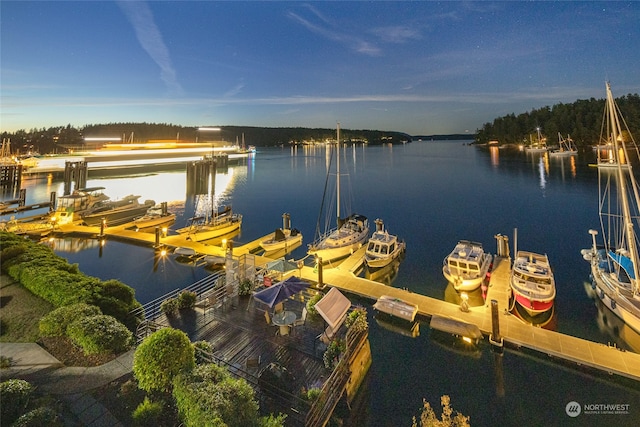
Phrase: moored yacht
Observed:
(615, 268)
(467, 266)
(383, 247)
(70, 207)
(116, 212)
(284, 237)
(350, 233)
(202, 228)
(532, 283)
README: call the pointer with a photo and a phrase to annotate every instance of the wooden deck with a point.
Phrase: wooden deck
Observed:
(244, 342)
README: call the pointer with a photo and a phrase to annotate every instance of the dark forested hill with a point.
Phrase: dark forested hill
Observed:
(581, 119)
(55, 139)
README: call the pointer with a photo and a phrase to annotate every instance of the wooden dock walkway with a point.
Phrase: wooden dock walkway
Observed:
(512, 330)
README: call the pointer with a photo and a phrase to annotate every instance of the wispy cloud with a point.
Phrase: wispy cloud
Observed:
(325, 28)
(234, 90)
(506, 97)
(150, 38)
(397, 34)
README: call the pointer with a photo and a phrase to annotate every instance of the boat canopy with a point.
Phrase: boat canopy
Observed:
(333, 307)
(624, 262)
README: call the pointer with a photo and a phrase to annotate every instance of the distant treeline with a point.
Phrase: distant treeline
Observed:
(582, 120)
(58, 139)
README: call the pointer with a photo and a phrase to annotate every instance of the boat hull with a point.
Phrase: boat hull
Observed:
(456, 267)
(289, 241)
(206, 232)
(533, 307)
(117, 217)
(626, 309)
(379, 262)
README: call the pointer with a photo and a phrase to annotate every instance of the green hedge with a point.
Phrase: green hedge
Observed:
(56, 322)
(53, 279)
(100, 334)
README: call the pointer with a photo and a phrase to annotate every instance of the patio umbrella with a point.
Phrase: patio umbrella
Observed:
(281, 265)
(281, 291)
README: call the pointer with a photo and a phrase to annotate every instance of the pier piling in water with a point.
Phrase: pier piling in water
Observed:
(495, 339)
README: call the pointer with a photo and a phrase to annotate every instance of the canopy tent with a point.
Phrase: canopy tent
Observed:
(281, 265)
(281, 291)
(333, 307)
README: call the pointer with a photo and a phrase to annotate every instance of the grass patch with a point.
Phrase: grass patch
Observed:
(20, 312)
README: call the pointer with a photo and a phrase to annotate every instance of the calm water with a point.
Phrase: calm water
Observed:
(432, 194)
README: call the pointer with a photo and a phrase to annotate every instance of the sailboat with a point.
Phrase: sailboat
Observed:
(615, 267)
(350, 232)
(537, 146)
(566, 147)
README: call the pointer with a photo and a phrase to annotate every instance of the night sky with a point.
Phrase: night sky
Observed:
(417, 67)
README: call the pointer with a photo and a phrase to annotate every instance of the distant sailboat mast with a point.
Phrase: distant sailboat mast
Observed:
(338, 175)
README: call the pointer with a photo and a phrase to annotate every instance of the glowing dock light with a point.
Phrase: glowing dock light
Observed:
(206, 129)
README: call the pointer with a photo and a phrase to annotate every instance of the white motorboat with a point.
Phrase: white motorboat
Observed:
(615, 268)
(202, 228)
(396, 307)
(532, 282)
(383, 247)
(350, 233)
(284, 237)
(566, 147)
(116, 212)
(467, 266)
(69, 208)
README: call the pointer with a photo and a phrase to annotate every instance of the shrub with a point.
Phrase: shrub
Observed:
(357, 320)
(39, 417)
(169, 306)
(160, 357)
(428, 417)
(99, 334)
(333, 352)
(210, 396)
(311, 304)
(56, 322)
(312, 394)
(186, 299)
(200, 348)
(245, 287)
(14, 395)
(147, 413)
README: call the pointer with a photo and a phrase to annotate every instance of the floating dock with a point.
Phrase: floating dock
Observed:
(512, 330)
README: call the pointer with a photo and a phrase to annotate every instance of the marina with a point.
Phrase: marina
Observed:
(406, 304)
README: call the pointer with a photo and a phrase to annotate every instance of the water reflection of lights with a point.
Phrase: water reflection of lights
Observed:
(541, 168)
(494, 152)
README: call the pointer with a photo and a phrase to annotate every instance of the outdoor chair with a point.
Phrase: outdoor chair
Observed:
(300, 321)
(267, 317)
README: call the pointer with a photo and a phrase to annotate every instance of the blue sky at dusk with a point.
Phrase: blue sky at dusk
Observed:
(416, 67)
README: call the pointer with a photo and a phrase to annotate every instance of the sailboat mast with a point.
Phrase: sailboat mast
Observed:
(616, 132)
(338, 175)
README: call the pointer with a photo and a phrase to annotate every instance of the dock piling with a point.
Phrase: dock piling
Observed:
(320, 283)
(495, 339)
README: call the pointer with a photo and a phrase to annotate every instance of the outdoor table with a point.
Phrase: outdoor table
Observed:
(284, 319)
